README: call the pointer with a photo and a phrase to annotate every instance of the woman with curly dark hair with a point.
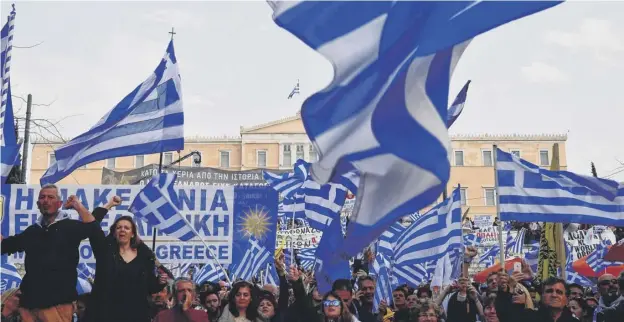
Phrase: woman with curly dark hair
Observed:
(242, 304)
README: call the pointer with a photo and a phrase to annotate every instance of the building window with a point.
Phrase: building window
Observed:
(287, 157)
(490, 197)
(300, 154)
(313, 154)
(515, 152)
(261, 158)
(224, 159)
(51, 159)
(487, 158)
(459, 158)
(463, 193)
(110, 163)
(196, 162)
(544, 160)
(167, 158)
(139, 161)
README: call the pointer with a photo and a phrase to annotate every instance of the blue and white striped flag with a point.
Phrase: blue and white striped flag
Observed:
(596, 260)
(148, 120)
(472, 240)
(83, 286)
(516, 245)
(488, 257)
(8, 141)
(531, 256)
(392, 66)
(156, 204)
(307, 258)
(319, 203)
(571, 275)
(529, 193)
(432, 235)
(383, 285)
(458, 105)
(255, 258)
(270, 275)
(86, 271)
(209, 273)
(413, 275)
(10, 277)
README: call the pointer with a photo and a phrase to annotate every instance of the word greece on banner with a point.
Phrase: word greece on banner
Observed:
(580, 248)
(211, 210)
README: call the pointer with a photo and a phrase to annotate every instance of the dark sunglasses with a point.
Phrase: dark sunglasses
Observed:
(331, 303)
(552, 290)
(607, 282)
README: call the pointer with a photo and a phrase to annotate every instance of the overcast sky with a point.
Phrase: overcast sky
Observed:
(555, 72)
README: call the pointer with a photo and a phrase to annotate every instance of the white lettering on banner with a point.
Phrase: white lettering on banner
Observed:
(209, 209)
(580, 248)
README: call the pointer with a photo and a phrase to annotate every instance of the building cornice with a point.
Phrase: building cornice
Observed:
(276, 122)
(510, 137)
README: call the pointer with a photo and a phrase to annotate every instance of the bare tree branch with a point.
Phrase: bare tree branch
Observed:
(26, 47)
(34, 104)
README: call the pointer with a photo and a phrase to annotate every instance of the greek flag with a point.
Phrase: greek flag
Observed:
(255, 258)
(10, 277)
(531, 256)
(458, 105)
(515, 247)
(596, 261)
(529, 193)
(148, 120)
(86, 271)
(432, 235)
(8, 141)
(83, 286)
(383, 290)
(294, 91)
(307, 258)
(571, 275)
(209, 273)
(413, 274)
(387, 240)
(488, 257)
(270, 275)
(320, 203)
(155, 205)
(472, 240)
(385, 111)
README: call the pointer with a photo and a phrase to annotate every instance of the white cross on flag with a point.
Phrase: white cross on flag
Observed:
(154, 205)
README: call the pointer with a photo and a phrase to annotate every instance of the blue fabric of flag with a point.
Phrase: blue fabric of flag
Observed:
(256, 257)
(432, 235)
(209, 273)
(148, 120)
(529, 193)
(383, 284)
(384, 113)
(472, 240)
(458, 105)
(157, 204)
(10, 278)
(328, 267)
(8, 140)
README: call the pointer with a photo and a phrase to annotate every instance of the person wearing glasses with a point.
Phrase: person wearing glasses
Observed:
(335, 310)
(554, 306)
(616, 311)
(608, 289)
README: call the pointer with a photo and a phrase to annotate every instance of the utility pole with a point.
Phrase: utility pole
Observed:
(26, 139)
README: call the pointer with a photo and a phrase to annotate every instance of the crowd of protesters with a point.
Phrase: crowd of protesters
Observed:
(130, 285)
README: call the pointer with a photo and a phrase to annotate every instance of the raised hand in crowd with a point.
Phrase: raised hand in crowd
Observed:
(383, 307)
(294, 274)
(280, 267)
(114, 202)
(74, 203)
(472, 292)
(470, 251)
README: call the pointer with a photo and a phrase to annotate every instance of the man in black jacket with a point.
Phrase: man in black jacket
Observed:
(51, 247)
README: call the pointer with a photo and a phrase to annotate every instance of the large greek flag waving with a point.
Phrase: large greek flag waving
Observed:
(8, 140)
(149, 120)
(385, 111)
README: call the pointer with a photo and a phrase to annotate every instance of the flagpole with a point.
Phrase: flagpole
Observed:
(497, 201)
(160, 164)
